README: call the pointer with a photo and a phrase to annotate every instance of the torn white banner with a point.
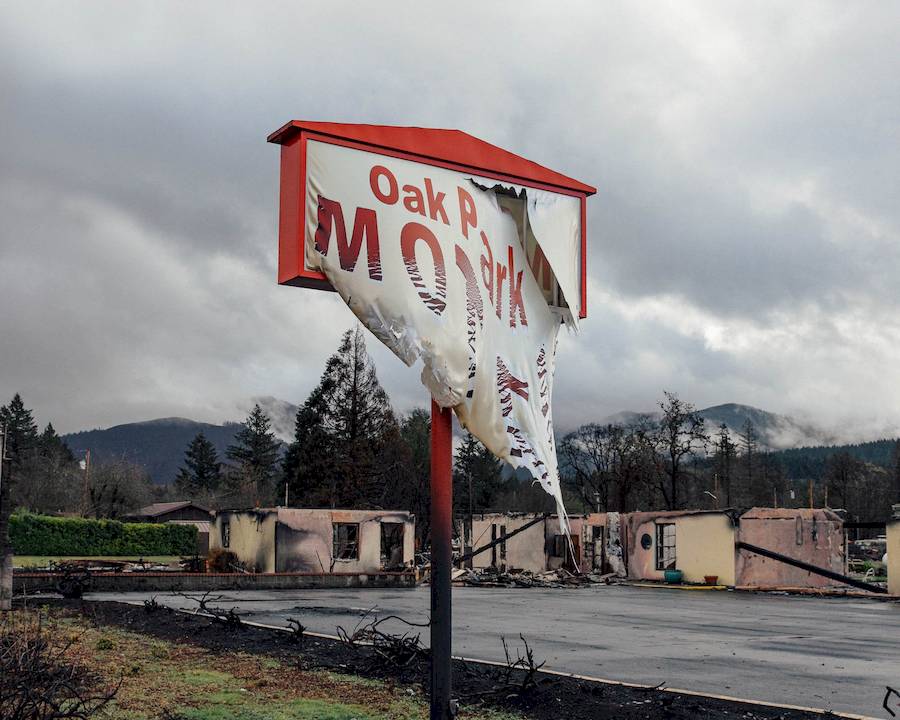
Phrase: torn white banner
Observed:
(439, 267)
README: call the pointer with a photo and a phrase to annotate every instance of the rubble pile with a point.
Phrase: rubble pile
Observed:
(561, 578)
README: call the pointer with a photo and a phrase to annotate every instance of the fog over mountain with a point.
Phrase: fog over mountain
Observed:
(774, 431)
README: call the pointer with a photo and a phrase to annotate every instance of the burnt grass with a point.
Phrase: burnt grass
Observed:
(549, 697)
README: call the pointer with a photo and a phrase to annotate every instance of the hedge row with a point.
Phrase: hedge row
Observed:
(43, 535)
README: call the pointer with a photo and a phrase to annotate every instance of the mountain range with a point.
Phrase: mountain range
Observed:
(159, 445)
(774, 431)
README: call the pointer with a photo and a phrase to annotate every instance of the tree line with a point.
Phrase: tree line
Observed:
(676, 461)
(350, 449)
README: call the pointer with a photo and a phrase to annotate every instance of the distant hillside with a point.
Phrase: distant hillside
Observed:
(157, 445)
(774, 431)
(809, 462)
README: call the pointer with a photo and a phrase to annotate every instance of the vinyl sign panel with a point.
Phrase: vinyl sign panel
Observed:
(435, 265)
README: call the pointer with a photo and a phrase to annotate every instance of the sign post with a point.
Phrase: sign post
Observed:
(441, 559)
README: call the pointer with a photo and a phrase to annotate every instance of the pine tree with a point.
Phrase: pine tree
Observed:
(20, 431)
(725, 453)
(478, 475)
(22, 434)
(415, 480)
(50, 444)
(53, 481)
(895, 490)
(346, 433)
(755, 493)
(256, 453)
(202, 471)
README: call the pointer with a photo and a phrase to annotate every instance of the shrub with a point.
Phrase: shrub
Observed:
(44, 535)
(221, 561)
(39, 679)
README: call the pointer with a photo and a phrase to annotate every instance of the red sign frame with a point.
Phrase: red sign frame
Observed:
(293, 139)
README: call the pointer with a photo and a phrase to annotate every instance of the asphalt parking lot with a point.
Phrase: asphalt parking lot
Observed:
(832, 653)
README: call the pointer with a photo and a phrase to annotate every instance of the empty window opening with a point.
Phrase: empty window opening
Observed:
(345, 541)
(598, 547)
(665, 546)
(391, 545)
(559, 546)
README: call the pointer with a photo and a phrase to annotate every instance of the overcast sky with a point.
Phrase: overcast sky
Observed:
(744, 242)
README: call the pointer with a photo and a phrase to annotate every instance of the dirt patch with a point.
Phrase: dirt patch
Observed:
(476, 686)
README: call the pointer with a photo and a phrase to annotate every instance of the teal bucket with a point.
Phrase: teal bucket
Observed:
(673, 577)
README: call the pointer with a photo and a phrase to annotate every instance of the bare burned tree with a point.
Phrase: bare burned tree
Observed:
(38, 680)
(609, 464)
(681, 433)
(527, 680)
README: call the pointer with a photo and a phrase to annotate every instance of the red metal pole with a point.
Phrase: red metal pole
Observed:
(441, 558)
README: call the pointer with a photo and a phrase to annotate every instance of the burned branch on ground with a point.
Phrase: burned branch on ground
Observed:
(527, 679)
(230, 619)
(398, 651)
(298, 630)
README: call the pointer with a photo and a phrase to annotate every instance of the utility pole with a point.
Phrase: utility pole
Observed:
(5, 545)
(85, 484)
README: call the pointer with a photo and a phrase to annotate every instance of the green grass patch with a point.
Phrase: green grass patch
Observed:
(32, 561)
(293, 710)
(205, 677)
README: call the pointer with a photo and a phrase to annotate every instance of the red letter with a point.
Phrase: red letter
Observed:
(413, 200)
(515, 293)
(365, 223)
(467, 216)
(501, 276)
(392, 195)
(487, 268)
(409, 235)
(435, 203)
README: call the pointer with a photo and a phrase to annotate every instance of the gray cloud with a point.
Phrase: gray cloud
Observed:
(744, 242)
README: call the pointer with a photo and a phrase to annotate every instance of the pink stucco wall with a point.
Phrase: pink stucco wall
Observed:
(811, 535)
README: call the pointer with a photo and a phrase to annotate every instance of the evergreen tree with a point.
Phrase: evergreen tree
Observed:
(202, 471)
(22, 434)
(843, 477)
(415, 481)
(724, 459)
(749, 444)
(478, 476)
(345, 434)
(53, 480)
(895, 490)
(308, 463)
(50, 444)
(256, 454)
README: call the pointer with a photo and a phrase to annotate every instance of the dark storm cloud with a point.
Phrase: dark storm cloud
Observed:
(744, 239)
